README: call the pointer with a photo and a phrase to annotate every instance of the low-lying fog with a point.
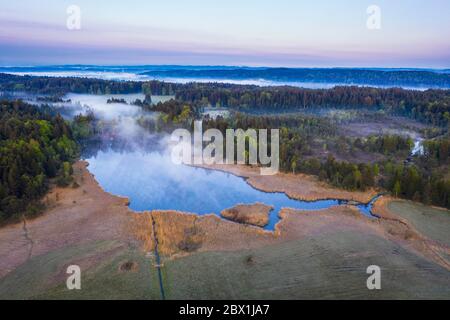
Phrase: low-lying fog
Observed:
(144, 172)
(132, 76)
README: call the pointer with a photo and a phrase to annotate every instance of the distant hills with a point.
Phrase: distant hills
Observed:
(401, 77)
(378, 77)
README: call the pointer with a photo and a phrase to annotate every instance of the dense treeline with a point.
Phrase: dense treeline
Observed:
(62, 85)
(431, 106)
(174, 112)
(306, 124)
(309, 143)
(341, 174)
(35, 146)
(385, 144)
(308, 135)
(84, 127)
(297, 135)
(420, 181)
(116, 100)
(297, 132)
(438, 151)
(317, 75)
(417, 182)
(402, 180)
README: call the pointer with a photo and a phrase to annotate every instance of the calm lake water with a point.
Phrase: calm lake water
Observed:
(152, 181)
(148, 177)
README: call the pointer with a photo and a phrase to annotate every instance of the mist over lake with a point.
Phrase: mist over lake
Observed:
(142, 170)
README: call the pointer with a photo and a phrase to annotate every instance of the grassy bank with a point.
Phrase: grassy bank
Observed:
(434, 223)
(106, 274)
(319, 267)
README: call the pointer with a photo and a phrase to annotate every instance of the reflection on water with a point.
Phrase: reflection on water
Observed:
(132, 162)
(152, 181)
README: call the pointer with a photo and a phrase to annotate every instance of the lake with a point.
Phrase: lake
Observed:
(148, 177)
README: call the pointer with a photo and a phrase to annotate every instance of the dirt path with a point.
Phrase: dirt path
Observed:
(27, 237)
(158, 260)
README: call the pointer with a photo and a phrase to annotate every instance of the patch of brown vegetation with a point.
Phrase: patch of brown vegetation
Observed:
(97, 215)
(73, 216)
(389, 125)
(215, 234)
(296, 186)
(297, 224)
(256, 214)
(402, 230)
(179, 233)
(129, 266)
(249, 260)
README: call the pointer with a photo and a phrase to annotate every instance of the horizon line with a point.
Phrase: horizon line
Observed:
(221, 66)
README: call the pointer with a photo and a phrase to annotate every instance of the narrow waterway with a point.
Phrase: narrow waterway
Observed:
(158, 261)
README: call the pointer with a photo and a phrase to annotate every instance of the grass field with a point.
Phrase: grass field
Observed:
(322, 267)
(44, 277)
(319, 267)
(432, 222)
(323, 257)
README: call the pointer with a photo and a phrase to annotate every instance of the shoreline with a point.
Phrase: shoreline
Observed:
(73, 216)
(299, 185)
(87, 215)
(418, 240)
(91, 209)
(251, 174)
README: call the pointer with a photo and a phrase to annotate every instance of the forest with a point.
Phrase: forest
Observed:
(36, 147)
(430, 106)
(309, 143)
(317, 75)
(422, 179)
(58, 86)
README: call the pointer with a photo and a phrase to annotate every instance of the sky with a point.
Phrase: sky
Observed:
(319, 33)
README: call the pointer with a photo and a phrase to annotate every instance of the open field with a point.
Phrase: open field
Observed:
(312, 254)
(387, 125)
(426, 227)
(74, 216)
(105, 274)
(322, 266)
(432, 222)
(317, 255)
